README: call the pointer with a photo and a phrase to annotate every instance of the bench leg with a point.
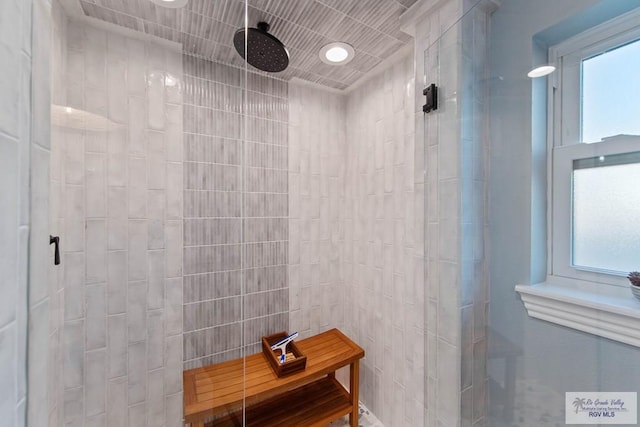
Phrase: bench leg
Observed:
(354, 384)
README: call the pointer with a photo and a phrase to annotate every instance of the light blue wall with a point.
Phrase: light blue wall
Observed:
(554, 359)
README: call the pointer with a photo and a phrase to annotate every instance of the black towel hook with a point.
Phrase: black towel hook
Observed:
(56, 256)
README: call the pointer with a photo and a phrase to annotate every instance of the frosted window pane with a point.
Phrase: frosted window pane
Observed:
(611, 93)
(606, 213)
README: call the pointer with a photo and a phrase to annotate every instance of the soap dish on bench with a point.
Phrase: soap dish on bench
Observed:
(295, 360)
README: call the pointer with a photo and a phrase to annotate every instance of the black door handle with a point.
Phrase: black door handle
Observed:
(56, 256)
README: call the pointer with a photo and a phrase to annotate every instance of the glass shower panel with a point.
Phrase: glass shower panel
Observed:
(542, 373)
(264, 187)
(215, 174)
(265, 208)
(117, 205)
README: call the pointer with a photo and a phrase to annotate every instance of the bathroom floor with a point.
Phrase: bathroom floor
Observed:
(536, 406)
(366, 419)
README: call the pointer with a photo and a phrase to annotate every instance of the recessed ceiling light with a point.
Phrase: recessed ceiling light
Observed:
(337, 53)
(541, 71)
(173, 4)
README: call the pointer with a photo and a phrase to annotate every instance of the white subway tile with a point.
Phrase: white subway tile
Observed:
(117, 202)
(117, 234)
(96, 251)
(449, 200)
(155, 398)
(173, 133)
(155, 339)
(448, 240)
(136, 73)
(448, 392)
(137, 376)
(466, 347)
(95, 103)
(117, 282)
(449, 304)
(137, 252)
(117, 346)
(75, 95)
(156, 234)
(137, 312)
(74, 292)
(116, 91)
(137, 189)
(8, 364)
(74, 407)
(96, 421)
(137, 120)
(138, 415)
(95, 46)
(72, 240)
(155, 297)
(173, 364)
(117, 169)
(117, 402)
(156, 161)
(173, 306)
(117, 142)
(174, 186)
(10, 95)
(173, 410)
(174, 249)
(96, 324)
(73, 354)
(96, 175)
(95, 382)
(155, 99)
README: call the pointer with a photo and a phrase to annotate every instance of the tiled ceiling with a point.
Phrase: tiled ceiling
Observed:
(206, 28)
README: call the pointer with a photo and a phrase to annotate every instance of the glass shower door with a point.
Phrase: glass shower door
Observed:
(549, 362)
(264, 188)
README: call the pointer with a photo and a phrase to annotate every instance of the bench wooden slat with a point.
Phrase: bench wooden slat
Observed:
(314, 404)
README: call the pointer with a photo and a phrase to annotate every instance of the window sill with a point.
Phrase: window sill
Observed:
(607, 311)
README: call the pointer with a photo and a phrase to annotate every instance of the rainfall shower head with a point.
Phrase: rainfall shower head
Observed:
(264, 51)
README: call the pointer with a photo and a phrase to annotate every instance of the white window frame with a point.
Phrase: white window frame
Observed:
(570, 297)
(565, 143)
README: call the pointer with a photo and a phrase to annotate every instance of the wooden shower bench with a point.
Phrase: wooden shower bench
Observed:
(312, 397)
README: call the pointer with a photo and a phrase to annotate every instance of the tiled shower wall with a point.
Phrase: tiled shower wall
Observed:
(219, 315)
(116, 190)
(384, 270)
(317, 152)
(356, 209)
